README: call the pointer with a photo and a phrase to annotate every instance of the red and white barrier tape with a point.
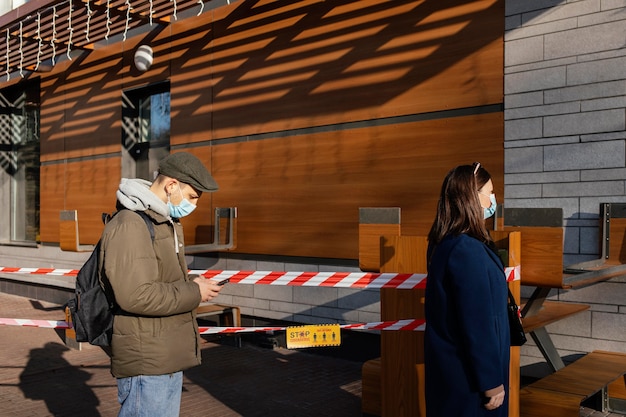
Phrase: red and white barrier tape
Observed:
(409, 324)
(48, 324)
(361, 280)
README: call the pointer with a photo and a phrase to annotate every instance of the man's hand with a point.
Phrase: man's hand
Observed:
(208, 288)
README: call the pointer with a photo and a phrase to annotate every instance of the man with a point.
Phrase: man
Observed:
(155, 336)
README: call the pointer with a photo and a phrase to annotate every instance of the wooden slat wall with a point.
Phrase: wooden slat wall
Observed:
(257, 67)
(88, 187)
(300, 196)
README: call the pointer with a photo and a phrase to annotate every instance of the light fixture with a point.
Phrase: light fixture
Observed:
(143, 58)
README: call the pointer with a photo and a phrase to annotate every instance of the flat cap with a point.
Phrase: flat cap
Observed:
(187, 168)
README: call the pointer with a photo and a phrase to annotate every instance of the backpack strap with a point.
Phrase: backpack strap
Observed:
(148, 221)
(106, 217)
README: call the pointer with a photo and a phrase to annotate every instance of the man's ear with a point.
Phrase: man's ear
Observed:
(170, 185)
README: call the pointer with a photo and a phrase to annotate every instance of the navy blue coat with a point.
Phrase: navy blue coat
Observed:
(467, 340)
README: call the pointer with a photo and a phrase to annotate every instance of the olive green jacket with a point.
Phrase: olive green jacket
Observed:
(157, 332)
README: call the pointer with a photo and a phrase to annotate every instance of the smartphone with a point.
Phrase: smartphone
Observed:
(224, 281)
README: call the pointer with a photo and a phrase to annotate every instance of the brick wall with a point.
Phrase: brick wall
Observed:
(565, 132)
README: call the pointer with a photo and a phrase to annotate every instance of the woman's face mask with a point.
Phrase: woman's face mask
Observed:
(181, 210)
(488, 212)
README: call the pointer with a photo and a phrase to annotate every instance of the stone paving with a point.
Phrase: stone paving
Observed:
(40, 376)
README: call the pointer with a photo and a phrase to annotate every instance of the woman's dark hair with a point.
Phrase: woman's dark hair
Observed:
(459, 210)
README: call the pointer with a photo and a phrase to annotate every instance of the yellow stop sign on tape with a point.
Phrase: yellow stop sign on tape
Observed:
(313, 335)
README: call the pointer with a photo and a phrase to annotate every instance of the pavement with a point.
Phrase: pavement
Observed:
(40, 376)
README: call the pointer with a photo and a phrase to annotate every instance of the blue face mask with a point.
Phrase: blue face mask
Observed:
(488, 212)
(183, 209)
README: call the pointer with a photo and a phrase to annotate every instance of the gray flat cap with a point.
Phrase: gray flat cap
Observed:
(187, 168)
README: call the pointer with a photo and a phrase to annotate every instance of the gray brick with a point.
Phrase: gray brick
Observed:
(523, 51)
(589, 39)
(569, 205)
(274, 292)
(273, 315)
(535, 111)
(291, 308)
(528, 30)
(604, 308)
(523, 129)
(563, 11)
(523, 160)
(571, 240)
(583, 344)
(542, 177)
(597, 71)
(605, 16)
(603, 136)
(512, 22)
(603, 174)
(535, 66)
(585, 92)
(600, 293)
(368, 317)
(270, 266)
(609, 326)
(590, 240)
(584, 189)
(540, 79)
(328, 313)
(592, 155)
(236, 264)
(529, 143)
(367, 300)
(585, 123)
(612, 4)
(515, 7)
(523, 191)
(251, 302)
(604, 103)
(512, 101)
(576, 325)
(591, 205)
(316, 295)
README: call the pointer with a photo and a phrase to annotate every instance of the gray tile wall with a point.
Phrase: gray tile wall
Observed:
(565, 132)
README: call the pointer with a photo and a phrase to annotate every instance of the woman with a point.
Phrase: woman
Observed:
(467, 333)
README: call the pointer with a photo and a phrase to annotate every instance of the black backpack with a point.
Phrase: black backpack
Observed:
(93, 306)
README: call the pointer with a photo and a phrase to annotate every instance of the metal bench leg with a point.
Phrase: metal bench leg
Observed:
(545, 345)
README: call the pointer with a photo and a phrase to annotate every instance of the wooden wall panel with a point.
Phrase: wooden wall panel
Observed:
(52, 196)
(300, 195)
(81, 103)
(266, 66)
(87, 186)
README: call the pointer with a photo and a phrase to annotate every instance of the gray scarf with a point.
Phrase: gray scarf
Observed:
(135, 194)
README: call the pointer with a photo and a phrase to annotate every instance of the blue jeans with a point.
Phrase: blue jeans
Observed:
(150, 395)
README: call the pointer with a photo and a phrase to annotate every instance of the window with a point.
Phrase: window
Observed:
(145, 129)
(19, 156)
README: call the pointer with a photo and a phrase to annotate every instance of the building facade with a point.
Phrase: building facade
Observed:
(306, 112)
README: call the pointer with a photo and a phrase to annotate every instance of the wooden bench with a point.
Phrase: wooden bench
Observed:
(68, 232)
(561, 394)
(371, 388)
(542, 267)
(393, 385)
(228, 316)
